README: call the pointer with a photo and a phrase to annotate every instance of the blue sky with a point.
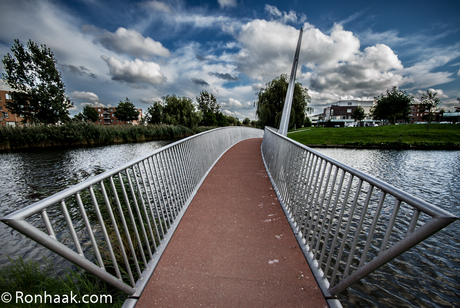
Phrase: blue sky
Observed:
(108, 50)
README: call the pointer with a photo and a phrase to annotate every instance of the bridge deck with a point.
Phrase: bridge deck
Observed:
(234, 246)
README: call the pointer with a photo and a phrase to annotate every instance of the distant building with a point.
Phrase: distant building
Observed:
(340, 113)
(107, 116)
(417, 114)
(6, 117)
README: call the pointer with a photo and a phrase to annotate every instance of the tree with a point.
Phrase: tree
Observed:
(246, 121)
(38, 92)
(180, 111)
(221, 119)
(429, 102)
(393, 105)
(271, 102)
(90, 114)
(207, 104)
(359, 114)
(154, 113)
(126, 111)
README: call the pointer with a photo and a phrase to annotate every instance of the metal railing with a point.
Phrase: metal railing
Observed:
(117, 224)
(347, 223)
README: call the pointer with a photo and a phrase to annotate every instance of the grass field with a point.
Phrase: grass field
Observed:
(439, 136)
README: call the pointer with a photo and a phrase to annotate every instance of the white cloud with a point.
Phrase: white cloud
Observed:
(86, 96)
(158, 6)
(282, 17)
(133, 72)
(128, 41)
(229, 3)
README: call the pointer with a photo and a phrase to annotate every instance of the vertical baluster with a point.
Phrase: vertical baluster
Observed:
(69, 222)
(104, 232)
(358, 231)
(337, 231)
(372, 229)
(154, 190)
(117, 232)
(331, 219)
(47, 222)
(123, 222)
(413, 221)
(390, 225)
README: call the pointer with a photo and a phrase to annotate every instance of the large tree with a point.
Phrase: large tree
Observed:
(180, 111)
(271, 102)
(154, 113)
(393, 105)
(126, 111)
(38, 92)
(90, 114)
(359, 114)
(207, 104)
(429, 103)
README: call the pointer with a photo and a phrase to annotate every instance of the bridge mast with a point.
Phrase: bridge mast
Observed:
(284, 125)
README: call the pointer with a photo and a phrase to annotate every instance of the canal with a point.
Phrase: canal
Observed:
(426, 276)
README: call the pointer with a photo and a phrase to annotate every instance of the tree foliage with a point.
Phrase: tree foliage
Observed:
(90, 114)
(392, 106)
(429, 103)
(212, 116)
(174, 110)
(359, 114)
(271, 102)
(38, 92)
(126, 111)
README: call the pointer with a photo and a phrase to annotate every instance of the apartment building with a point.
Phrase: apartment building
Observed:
(6, 117)
(107, 116)
(340, 113)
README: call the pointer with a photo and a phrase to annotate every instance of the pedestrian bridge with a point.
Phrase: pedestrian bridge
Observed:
(231, 216)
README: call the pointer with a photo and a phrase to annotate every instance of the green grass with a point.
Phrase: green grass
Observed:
(29, 277)
(439, 136)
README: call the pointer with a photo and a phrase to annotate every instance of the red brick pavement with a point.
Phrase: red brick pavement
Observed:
(234, 246)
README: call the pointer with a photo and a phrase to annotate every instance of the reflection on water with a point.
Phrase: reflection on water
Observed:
(26, 177)
(428, 275)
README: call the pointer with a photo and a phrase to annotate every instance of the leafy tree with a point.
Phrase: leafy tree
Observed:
(207, 104)
(154, 113)
(221, 119)
(307, 122)
(38, 92)
(180, 111)
(359, 114)
(429, 102)
(271, 102)
(246, 121)
(393, 105)
(90, 114)
(126, 111)
(231, 120)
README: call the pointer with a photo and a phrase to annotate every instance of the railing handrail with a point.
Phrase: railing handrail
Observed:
(40, 205)
(294, 171)
(144, 201)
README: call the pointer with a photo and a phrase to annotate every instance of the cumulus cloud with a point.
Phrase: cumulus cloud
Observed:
(225, 3)
(150, 100)
(236, 104)
(133, 72)
(128, 41)
(86, 96)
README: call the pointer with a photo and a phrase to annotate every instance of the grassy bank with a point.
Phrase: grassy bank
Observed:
(33, 279)
(85, 134)
(408, 136)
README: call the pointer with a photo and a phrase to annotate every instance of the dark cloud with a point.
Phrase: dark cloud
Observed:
(79, 71)
(201, 58)
(225, 76)
(200, 82)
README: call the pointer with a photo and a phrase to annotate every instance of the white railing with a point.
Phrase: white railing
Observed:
(347, 223)
(117, 224)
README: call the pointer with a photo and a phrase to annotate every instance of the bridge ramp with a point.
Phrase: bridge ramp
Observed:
(234, 246)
